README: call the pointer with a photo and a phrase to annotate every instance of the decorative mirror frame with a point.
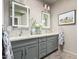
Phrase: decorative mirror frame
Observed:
(13, 15)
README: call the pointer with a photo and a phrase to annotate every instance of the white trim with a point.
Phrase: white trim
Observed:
(70, 52)
(24, 6)
(13, 14)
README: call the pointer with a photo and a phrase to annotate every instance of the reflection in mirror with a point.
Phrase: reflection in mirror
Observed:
(45, 19)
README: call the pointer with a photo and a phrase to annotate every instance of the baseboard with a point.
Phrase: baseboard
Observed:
(69, 52)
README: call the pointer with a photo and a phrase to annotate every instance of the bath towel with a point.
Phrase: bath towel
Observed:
(7, 52)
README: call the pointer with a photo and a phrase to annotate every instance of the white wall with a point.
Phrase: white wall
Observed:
(36, 8)
(5, 13)
(70, 31)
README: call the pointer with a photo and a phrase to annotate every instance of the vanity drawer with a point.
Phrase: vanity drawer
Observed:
(43, 39)
(52, 38)
(50, 44)
(42, 53)
(42, 45)
(50, 49)
(53, 42)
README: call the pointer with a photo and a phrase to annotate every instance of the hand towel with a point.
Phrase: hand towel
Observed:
(61, 38)
(7, 52)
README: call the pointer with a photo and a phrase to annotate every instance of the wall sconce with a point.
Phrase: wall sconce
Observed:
(48, 8)
(45, 6)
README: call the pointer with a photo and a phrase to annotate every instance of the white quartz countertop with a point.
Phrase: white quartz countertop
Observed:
(31, 36)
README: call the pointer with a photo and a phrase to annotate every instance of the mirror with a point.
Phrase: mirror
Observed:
(45, 19)
(20, 15)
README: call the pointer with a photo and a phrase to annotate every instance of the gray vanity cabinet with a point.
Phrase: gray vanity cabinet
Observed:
(35, 48)
(18, 53)
(52, 43)
(31, 51)
(25, 49)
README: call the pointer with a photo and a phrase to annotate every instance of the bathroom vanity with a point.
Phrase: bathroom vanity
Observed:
(35, 46)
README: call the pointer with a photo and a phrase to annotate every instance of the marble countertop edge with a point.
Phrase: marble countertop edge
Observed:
(31, 36)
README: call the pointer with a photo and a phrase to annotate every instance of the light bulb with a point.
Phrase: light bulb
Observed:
(48, 8)
(45, 6)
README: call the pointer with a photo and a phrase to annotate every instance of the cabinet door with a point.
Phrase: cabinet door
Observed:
(52, 43)
(31, 51)
(42, 46)
(18, 53)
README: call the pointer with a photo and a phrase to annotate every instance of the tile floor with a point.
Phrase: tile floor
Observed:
(62, 55)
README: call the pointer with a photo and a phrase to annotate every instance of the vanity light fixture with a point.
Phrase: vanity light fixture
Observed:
(46, 7)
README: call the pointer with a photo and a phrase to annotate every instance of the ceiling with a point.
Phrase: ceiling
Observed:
(49, 1)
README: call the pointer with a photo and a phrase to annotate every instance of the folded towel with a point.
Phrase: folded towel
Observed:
(61, 38)
(7, 52)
